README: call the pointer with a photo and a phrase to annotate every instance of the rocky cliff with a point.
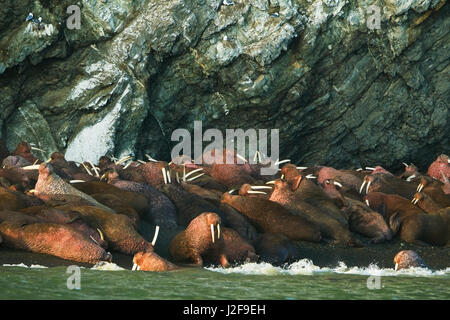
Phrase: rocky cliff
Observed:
(343, 90)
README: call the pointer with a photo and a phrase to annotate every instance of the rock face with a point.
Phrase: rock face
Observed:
(343, 89)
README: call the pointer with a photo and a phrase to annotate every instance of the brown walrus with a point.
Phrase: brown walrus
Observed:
(237, 250)
(201, 242)
(271, 217)
(408, 259)
(50, 184)
(10, 200)
(53, 239)
(425, 202)
(285, 193)
(150, 261)
(117, 228)
(412, 224)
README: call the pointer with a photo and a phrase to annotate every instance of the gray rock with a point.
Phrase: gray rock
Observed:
(341, 93)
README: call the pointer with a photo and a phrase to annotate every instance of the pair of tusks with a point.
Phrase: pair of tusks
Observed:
(212, 232)
(367, 187)
(185, 175)
(166, 176)
(135, 266)
(122, 160)
(258, 188)
(420, 187)
(414, 201)
(101, 237)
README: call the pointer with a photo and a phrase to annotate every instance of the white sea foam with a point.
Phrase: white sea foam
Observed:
(307, 267)
(107, 266)
(22, 265)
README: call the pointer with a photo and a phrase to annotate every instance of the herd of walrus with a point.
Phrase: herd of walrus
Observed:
(228, 213)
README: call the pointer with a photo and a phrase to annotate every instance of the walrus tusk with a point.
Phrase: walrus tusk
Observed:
(176, 175)
(164, 175)
(367, 202)
(88, 171)
(135, 266)
(150, 158)
(260, 187)
(282, 176)
(444, 176)
(95, 169)
(103, 177)
(212, 232)
(241, 157)
(127, 165)
(396, 267)
(310, 176)
(278, 162)
(95, 241)
(256, 156)
(337, 184)
(36, 161)
(193, 178)
(140, 161)
(367, 187)
(168, 176)
(184, 173)
(410, 178)
(255, 192)
(271, 182)
(359, 169)
(192, 172)
(370, 168)
(37, 149)
(405, 164)
(218, 231)
(362, 186)
(33, 167)
(77, 181)
(231, 191)
(126, 158)
(32, 191)
(301, 168)
(47, 161)
(101, 234)
(155, 236)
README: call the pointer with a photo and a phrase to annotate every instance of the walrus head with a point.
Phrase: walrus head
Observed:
(443, 158)
(407, 259)
(45, 169)
(150, 261)
(289, 171)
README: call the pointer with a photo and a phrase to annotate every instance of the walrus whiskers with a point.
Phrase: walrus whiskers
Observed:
(212, 232)
(155, 236)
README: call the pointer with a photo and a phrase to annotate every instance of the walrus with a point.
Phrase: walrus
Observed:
(161, 210)
(15, 162)
(285, 193)
(275, 249)
(23, 149)
(131, 199)
(440, 168)
(54, 239)
(70, 218)
(114, 202)
(10, 200)
(406, 259)
(237, 250)
(361, 218)
(150, 261)
(388, 183)
(435, 189)
(425, 202)
(201, 243)
(271, 217)
(117, 228)
(410, 222)
(188, 205)
(50, 184)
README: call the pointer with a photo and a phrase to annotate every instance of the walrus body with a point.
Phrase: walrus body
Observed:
(54, 239)
(271, 217)
(150, 261)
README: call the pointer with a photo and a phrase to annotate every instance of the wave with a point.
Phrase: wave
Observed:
(22, 265)
(107, 266)
(307, 267)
